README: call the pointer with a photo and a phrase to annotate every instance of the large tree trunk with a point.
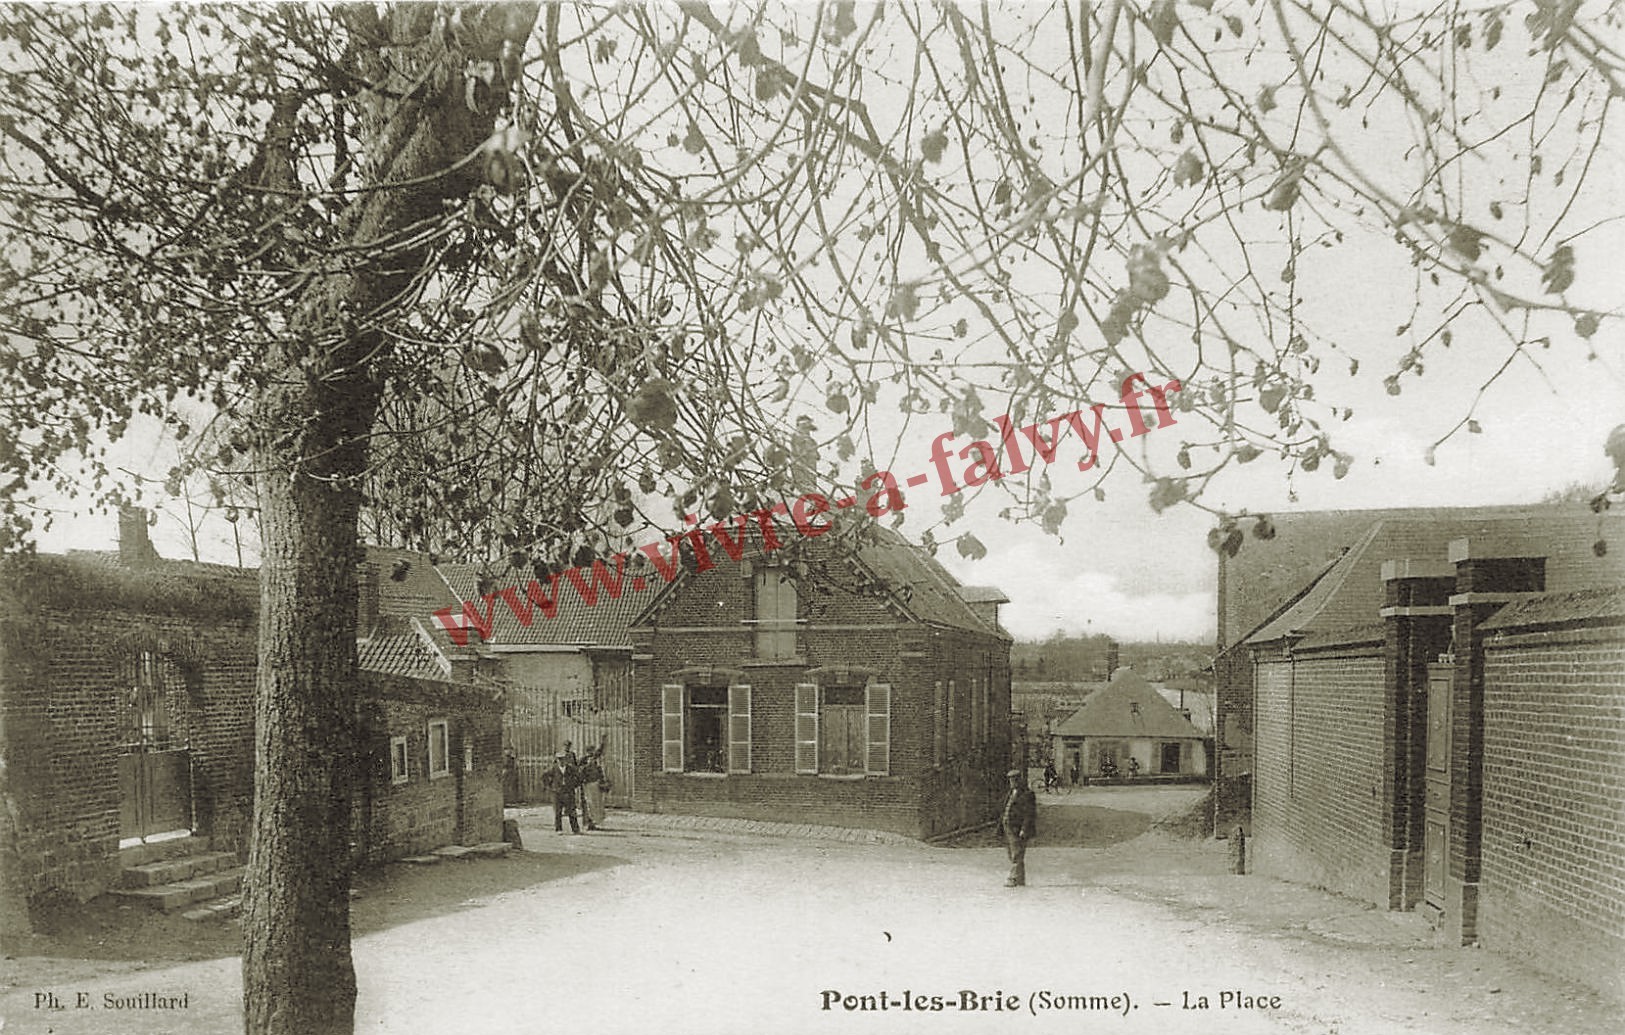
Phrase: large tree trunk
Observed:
(312, 423)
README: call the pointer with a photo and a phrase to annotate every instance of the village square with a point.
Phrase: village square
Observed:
(520, 517)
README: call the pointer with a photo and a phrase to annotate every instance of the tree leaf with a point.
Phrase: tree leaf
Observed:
(1188, 169)
(1163, 20)
(933, 144)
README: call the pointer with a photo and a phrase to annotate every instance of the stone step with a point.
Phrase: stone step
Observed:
(170, 871)
(224, 908)
(183, 893)
(159, 851)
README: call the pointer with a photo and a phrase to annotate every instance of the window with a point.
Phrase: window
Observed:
(439, 748)
(843, 729)
(1170, 756)
(775, 613)
(397, 760)
(705, 729)
(147, 717)
(468, 756)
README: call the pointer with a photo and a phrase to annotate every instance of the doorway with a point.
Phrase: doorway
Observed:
(155, 772)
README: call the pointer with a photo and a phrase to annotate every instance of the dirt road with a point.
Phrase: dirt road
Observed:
(662, 928)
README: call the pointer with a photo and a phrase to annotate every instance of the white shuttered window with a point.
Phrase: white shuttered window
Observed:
(806, 727)
(671, 727)
(878, 708)
(739, 728)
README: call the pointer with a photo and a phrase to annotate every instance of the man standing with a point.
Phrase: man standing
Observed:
(1018, 823)
(563, 781)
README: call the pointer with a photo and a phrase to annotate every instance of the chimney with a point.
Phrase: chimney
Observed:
(134, 546)
(366, 617)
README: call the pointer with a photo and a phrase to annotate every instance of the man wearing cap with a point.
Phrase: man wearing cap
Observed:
(1018, 824)
(563, 781)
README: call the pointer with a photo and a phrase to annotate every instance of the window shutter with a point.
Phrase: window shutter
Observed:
(878, 698)
(671, 727)
(739, 728)
(806, 727)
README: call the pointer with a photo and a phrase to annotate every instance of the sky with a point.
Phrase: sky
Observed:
(1122, 569)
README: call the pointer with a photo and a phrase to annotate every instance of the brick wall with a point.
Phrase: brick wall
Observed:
(1553, 843)
(926, 793)
(1232, 739)
(1318, 809)
(64, 680)
(426, 812)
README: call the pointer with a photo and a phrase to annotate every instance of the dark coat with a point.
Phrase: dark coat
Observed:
(1018, 817)
(563, 781)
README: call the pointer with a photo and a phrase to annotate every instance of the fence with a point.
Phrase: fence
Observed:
(537, 723)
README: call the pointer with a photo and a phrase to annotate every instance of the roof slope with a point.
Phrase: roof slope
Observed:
(403, 655)
(1603, 604)
(574, 623)
(926, 587)
(1350, 594)
(916, 584)
(1128, 707)
(1267, 573)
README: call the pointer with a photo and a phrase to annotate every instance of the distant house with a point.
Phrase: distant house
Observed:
(1438, 727)
(127, 719)
(863, 688)
(1127, 730)
(568, 674)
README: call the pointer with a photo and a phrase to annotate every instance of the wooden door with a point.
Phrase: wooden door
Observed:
(155, 768)
(1436, 836)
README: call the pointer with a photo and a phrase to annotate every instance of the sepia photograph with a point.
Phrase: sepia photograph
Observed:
(802, 517)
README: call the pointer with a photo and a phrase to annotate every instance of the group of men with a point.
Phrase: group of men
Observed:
(577, 784)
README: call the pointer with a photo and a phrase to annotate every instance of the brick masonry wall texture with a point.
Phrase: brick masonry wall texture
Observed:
(63, 717)
(921, 796)
(63, 682)
(1553, 862)
(1233, 738)
(1318, 815)
(460, 807)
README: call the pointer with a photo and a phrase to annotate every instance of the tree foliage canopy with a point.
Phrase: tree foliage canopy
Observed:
(495, 278)
(691, 222)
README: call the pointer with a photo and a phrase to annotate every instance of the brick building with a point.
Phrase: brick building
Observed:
(1440, 719)
(126, 716)
(862, 687)
(1261, 581)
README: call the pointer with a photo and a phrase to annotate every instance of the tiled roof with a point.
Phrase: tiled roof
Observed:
(1605, 603)
(408, 584)
(1350, 593)
(1267, 573)
(1128, 707)
(984, 594)
(929, 592)
(604, 624)
(404, 655)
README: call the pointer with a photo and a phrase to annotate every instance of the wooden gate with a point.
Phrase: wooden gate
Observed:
(155, 768)
(537, 723)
